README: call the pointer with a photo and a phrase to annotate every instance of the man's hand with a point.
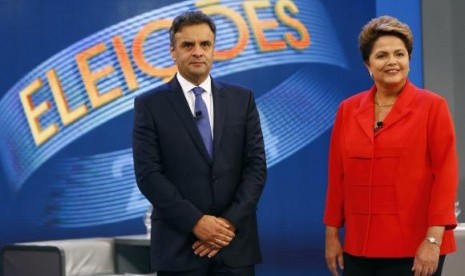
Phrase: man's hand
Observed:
(231, 227)
(204, 249)
(213, 231)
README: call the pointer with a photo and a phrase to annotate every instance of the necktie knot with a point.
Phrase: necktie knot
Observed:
(197, 90)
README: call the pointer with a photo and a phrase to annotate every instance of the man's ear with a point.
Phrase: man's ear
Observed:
(172, 53)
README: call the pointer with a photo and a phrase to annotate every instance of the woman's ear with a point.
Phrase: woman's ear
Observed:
(367, 65)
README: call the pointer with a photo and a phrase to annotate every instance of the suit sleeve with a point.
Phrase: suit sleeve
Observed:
(334, 209)
(253, 172)
(164, 196)
(444, 161)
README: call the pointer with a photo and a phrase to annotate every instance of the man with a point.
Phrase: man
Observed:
(199, 158)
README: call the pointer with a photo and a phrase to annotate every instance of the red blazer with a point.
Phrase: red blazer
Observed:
(388, 187)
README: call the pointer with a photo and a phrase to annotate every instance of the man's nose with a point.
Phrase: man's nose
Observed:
(198, 50)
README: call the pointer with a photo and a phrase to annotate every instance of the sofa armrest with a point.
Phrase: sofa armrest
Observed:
(77, 257)
(19, 260)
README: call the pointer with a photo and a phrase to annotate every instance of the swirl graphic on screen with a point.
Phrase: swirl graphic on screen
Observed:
(96, 79)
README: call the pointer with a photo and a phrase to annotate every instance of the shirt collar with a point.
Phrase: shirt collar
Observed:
(187, 86)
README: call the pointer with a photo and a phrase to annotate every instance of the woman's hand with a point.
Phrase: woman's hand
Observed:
(427, 257)
(426, 260)
(333, 251)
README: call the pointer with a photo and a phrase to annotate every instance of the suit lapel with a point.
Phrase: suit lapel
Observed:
(179, 103)
(219, 104)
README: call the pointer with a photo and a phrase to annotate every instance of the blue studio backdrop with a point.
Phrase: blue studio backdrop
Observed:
(71, 69)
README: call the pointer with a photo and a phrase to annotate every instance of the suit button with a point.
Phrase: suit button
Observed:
(214, 178)
(213, 210)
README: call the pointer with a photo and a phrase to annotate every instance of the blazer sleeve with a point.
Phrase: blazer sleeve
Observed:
(254, 172)
(169, 204)
(334, 209)
(444, 161)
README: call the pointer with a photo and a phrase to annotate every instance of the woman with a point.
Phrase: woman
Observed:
(393, 169)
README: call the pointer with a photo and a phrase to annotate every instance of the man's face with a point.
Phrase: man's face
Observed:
(193, 52)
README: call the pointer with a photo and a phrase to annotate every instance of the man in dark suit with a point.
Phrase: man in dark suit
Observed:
(199, 159)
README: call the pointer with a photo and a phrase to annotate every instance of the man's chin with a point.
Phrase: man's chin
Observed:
(197, 77)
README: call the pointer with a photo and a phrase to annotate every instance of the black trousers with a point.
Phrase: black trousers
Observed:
(361, 266)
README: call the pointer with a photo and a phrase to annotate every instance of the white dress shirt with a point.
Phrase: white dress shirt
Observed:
(207, 96)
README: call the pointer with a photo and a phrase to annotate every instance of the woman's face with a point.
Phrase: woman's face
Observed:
(389, 63)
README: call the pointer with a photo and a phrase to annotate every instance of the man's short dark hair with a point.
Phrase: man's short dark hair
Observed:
(190, 18)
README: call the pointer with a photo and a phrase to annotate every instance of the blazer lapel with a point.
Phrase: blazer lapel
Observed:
(365, 114)
(401, 107)
(179, 103)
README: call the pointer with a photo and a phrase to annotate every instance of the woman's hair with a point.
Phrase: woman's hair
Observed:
(383, 26)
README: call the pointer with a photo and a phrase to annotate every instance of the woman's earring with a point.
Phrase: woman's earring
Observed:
(371, 74)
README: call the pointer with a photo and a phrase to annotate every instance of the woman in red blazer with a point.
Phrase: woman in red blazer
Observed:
(393, 169)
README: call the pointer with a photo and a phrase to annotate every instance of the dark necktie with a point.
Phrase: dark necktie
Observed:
(203, 120)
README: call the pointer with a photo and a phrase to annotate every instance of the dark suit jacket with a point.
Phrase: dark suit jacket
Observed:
(175, 173)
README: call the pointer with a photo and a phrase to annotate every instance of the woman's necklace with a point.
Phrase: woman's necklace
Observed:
(380, 104)
(383, 105)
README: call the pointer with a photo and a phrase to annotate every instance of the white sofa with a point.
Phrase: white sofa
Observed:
(77, 257)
